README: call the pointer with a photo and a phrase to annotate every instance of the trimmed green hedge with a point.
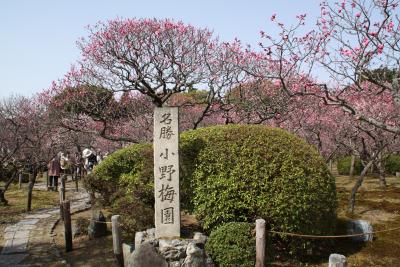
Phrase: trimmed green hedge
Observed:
(232, 244)
(343, 166)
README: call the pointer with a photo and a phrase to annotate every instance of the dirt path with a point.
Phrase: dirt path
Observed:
(29, 242)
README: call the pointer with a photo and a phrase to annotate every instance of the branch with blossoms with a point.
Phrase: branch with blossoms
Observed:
(354, 43)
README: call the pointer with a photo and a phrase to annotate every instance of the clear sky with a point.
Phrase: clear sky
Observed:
(37, 37)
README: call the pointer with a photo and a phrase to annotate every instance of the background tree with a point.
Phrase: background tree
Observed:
(11, 141)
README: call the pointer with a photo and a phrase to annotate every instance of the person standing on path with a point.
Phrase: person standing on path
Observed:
(54, 172)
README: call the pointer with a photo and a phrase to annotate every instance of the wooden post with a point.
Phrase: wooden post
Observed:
(63, 179)
(67, 226)
(20, 180)
(117, 244)
(61, 193)
(32, 178)
(260, 243)
(47, 180)
(76, 170)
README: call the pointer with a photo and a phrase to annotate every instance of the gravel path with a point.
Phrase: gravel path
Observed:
(30, 243)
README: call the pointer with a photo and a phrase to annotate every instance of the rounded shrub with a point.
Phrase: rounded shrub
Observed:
(125, 181)
(344, 164)
(130, 169)
(247, 171)
(232, 244)
(392, 164)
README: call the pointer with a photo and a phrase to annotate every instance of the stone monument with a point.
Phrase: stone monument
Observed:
(166, 172)
(163, 246)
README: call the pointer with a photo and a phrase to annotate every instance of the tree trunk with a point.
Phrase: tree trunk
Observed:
(3, 200)
(381, 169)
(32, 178)
(353, 160)
(352, 199)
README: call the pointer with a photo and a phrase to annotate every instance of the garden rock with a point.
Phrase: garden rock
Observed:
(200, 237)
(146, 255)
(337, 260)
(141, 237)
(97, 226)
(195, 256)
(359, 227)
(174, 252)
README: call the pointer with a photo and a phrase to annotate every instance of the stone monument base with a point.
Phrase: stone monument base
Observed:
(152, 252)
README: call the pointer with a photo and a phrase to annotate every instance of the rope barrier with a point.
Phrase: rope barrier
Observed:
(333, 236)
(92, 220)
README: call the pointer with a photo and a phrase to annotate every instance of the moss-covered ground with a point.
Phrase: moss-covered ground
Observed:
(381, 207)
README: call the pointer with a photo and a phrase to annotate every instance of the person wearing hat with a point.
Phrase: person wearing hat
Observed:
(90, 159)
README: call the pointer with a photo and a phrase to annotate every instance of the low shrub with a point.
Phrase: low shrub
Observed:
(344, 164)
(130, 168)
(135, 214)
(232, 244)
(392, 164)
(81, 226)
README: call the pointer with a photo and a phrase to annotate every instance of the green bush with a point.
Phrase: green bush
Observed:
(392, 164)
(130, 169)
(343, 166)
(125, 181)
(135, 214)
(234, 173)
(232, 244)
(244, 172)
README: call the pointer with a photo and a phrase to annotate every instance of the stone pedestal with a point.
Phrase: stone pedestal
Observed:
(150, 251)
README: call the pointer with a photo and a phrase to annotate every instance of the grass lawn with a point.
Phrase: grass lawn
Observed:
(17, 202)
(378, 206)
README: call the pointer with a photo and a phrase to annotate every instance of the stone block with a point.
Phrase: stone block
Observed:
(337, 260)
(166, 172)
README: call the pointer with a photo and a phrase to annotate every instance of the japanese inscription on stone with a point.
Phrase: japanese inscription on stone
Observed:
(166, 172)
